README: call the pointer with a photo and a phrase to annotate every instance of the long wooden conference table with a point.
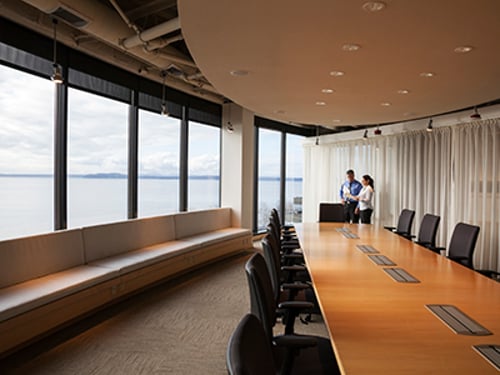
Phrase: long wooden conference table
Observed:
(381, 326)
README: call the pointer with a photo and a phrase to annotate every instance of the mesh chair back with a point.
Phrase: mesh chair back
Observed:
(262, 301)
(405, 221)
(248, 351)
(462, 243)
(331, 212)
(275, 217)
(428, 230)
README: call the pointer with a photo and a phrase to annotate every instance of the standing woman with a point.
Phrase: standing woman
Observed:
(365, 199)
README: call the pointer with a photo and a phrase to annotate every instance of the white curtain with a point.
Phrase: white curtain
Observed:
(453, 172)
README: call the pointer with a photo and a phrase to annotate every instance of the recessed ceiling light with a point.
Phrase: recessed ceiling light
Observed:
(335, 120)
(427, 74)
(320, 103)
(279, 112)
(239, 73)
(327, 91)
(463, 49)
(373, 6)
(337, 73)
(403, 91)
(351, 47)
(385, 104)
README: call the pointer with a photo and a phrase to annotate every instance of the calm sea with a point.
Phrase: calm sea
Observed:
(26, 203)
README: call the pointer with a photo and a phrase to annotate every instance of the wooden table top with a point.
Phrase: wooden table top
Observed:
(380, 326)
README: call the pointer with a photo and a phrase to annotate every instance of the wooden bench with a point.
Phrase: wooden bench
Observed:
(50, 279)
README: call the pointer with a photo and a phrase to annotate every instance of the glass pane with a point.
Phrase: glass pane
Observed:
(97, 159)
(159, 142)
(203, 166)
(294, 174)
(269, 175)
(26, 149)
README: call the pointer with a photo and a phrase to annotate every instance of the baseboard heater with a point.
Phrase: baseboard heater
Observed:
(457, 321)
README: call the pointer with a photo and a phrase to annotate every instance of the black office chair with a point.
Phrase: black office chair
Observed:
(405, 222)
(462, 244)
(428, 230)
(287, 288)
(248, 351)
(284, 227)
(331, 212)
(307, 354)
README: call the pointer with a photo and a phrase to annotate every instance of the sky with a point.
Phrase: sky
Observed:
(97, 135)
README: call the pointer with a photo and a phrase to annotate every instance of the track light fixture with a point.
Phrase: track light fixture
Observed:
(317, 136)
(57, 76)
(475, 115)
(365, 135)
(429, 126)
(164, 105)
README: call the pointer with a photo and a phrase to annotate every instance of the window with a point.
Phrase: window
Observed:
(159, 141)
(203, 166)
(97, 159)
(26, 149)
(269, 161)
(294, 173)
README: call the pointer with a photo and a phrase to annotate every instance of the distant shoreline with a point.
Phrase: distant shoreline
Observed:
(146, 177)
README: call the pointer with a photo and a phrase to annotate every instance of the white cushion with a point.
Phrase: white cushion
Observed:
(26, 258)
(190, 223)
(26, 296)
(102, 241)
(133, 260)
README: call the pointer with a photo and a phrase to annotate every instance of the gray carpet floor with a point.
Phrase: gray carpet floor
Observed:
(178, 327)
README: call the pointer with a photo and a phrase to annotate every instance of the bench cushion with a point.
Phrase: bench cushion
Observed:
(30, 257)
(140, 258)
(102, 241)
(31, 294)
(210, 238)
(191, 223)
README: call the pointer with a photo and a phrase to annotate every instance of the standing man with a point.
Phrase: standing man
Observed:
(350, 189)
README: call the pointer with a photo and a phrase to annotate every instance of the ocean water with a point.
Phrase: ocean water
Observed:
(26, 203)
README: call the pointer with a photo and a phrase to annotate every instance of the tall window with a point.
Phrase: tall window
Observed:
(294, 173)
(26, 149)
(159, 140)
(203, 166)
(269, 175)
(97, 159)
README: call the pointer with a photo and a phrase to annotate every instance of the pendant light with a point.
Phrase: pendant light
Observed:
(164, 105)
(57, 76)
(429, 126)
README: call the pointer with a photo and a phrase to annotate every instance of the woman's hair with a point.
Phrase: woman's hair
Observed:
(368, 178)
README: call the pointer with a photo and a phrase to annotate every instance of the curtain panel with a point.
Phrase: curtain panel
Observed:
(453, 172)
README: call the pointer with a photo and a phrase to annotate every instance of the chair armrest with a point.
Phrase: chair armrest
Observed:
(295, 305)
(295, 341)
(295, 286)
(294, 268)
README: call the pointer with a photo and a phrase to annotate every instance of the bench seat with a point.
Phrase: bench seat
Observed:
(216, 236)
(133, 260)
(23, 297)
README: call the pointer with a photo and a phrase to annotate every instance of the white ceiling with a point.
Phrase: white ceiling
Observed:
(290, 47)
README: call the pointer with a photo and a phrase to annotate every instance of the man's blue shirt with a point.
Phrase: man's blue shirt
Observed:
(353, 187)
